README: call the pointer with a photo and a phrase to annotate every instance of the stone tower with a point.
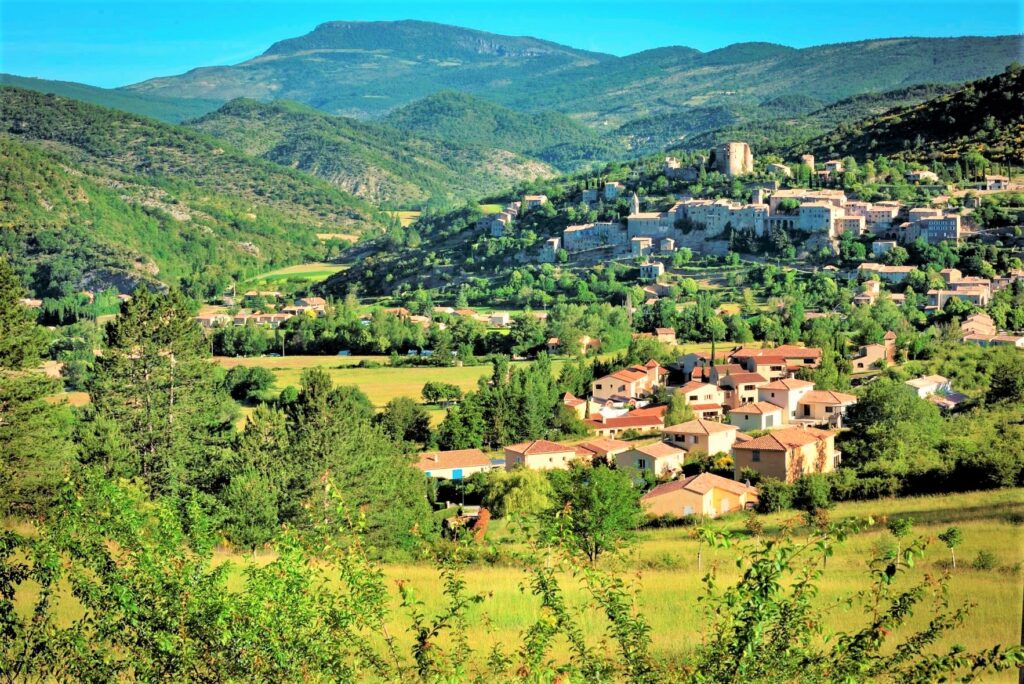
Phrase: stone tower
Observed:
(734, 159)
(807, 160)
(634, 204)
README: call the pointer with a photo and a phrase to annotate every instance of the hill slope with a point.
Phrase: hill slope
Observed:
(373, 161)
(985, 116)
(663, 81)
(93, 196)
(364, 69)
(460, 118)
(169, 109)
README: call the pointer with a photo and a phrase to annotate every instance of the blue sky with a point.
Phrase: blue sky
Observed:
(116, 43)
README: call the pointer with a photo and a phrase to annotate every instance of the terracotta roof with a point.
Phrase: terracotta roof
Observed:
(656, 411)
(787, 384)
(757, 407)
(699, 426)
(459, 458)
(627, 375)
(569, 400)
(785, 439)
(699, 484)
(782, 351)
(694, 385)
(742, 378)
(600, 446)
(659, 450)
(538, 446)
(706, 407)
(828, 397)
(665, 331)
(627, 421)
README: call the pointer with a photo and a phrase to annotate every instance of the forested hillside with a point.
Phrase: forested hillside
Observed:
(94, 197)
(370, 160)
(457, 118)
(169, 109)
(985, 116)
(367, 69)
(786, 123)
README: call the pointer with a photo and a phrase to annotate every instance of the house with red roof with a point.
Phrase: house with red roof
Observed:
(601, 447)
(757, 415)
(785, 393)
(824, 407)
(788, 454)
(456, 464)
(740, 388)
(659, 459)
(629, 384)
(643, 420)
(539, 454)
(700, 434)
(707, 495)
(779, 362)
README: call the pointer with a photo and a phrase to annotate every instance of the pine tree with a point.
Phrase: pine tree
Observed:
(35, 446)
(155, 383)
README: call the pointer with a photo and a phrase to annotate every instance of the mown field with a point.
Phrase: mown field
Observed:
(312, 272)
(381, 384)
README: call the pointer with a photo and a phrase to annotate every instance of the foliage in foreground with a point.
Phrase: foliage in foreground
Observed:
(153, 606)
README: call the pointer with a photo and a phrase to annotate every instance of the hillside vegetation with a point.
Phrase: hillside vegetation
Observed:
(457, 118)
(368, 68)
(787, 123)
(92, 197)
(985, 116)
(370, 160)
(169, 109)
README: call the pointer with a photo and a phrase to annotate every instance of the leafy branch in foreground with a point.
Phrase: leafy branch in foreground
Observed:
(117, 586)
(770, 626)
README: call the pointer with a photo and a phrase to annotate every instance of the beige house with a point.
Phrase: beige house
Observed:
(539, 454)
(659, 458)
(778, 362)
(457, 464)
(708, 436)
(759, 415)
(788, 454)
(601, 446)
(785, 393)
(930, 384)
(629, 383)
(706, 495)
(739, 389)
(824, 406)
(665, 335)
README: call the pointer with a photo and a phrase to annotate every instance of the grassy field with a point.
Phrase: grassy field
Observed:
(312, 272)
(662, 566)
(380, 384)
(406, 218)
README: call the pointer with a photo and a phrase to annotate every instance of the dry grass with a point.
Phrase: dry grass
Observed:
(406, 218)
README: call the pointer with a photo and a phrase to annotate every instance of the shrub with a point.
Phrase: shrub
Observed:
(985, 560)
(774, 496)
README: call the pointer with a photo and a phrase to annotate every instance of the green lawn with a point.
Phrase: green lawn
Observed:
(380, 384)
(312, 272)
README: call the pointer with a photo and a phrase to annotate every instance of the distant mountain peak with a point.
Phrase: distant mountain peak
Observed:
(415, 37)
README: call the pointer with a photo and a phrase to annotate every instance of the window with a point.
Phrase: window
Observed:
(687, 510)
(641, 463)
(768, 421)
(755, 456)
(829, 409)
(807, 410)
(598, 385)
